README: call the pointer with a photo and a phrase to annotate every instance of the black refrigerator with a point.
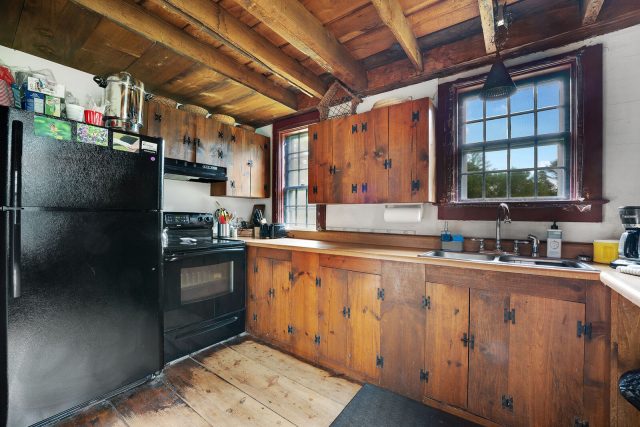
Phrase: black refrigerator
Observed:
(81, 254)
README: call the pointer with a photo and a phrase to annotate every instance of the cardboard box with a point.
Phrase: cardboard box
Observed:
(33, 101)
(41, 85)
(52, 106)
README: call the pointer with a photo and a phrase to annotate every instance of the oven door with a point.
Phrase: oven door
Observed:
(203, 285)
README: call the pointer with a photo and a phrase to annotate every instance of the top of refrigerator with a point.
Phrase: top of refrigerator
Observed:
(52, 163)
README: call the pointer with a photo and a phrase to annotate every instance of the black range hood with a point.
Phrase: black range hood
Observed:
(189, 171)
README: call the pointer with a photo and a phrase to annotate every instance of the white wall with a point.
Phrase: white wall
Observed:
(178, 195)
(621, 153)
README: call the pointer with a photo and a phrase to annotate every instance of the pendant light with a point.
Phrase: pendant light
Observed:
(499, 83)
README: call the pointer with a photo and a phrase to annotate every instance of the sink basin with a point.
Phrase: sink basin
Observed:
(510, 259)
(465, 256)
(544, 262)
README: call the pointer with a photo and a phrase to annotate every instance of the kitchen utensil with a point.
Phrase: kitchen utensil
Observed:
(93, 117)
(75, 112)
(125, 100)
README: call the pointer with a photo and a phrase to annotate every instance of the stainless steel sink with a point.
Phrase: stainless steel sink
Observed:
(510, 259)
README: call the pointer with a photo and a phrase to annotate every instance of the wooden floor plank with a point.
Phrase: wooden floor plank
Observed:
(217, 401)
(321, 381)
(155, 404)
(293, 401)
(101, 414)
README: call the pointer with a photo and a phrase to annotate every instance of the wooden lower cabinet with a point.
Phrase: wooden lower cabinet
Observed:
(506, 353)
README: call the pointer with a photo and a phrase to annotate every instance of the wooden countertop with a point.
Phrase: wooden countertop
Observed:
(626, 285)
(392, 253)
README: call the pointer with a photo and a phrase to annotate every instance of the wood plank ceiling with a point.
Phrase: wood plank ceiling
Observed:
(259, 60)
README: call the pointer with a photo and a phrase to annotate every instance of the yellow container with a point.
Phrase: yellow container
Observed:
(605, 251)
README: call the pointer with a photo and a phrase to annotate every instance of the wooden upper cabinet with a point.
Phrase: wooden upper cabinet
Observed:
(260, 154)
(374, 128)
(321, 162)
(176, 127)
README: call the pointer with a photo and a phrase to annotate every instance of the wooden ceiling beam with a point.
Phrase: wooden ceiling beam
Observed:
(393, 17)
(136, 19)
(294, 23)
(488, 24)
(591, 10)
(210, 16)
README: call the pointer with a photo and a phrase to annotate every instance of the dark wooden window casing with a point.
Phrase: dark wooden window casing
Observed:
(585, 182)
(280, 129)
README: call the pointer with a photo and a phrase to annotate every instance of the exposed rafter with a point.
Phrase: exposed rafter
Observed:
(488, 24)
(210, 17)
(293, 22)
(391, 14)
(591, 10)
(136, 19)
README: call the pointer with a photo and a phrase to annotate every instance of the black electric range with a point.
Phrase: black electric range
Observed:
(204, 284)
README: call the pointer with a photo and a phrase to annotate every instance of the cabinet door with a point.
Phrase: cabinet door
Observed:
(332, 300)
(240, 145)
(259, 163)
(341, 177)
(320, 162)
(262, 299)
(375, 133)
(446, 356)
(172, 125)
(281, 279)
(304, 304)
(489, 357)
(402, 328)
(546, 361)
(348, 158)
(364, 325)
(208, 150)
(252, 290)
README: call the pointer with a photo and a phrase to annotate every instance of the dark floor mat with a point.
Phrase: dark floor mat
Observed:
(375, 407)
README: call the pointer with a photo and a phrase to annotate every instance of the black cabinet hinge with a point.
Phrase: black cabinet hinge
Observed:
(424, 375)
(233, 138)
(316, 339)
(255, 268)
(332, 170)
(354, 128)
(580, 423)
(363, 127)
(255, 317)
(314, 189)
(415, 116)
(415, 185)
(426, 302)
(318, 282)
(379, 361)
(290, 329)
(346, 312)
(220, 134)
(467, 340)
(186, 140)
(354, 188)
(220, 153)
(584, 329)
(315, 136)
(291, 276)
(272, 292)
(387, 164)
(510, 315)
(380, 295)
(157, 117)
(364, 187)
(507, 402)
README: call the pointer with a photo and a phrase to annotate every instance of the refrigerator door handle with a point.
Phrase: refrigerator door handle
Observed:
(15, 253)
(16, 164)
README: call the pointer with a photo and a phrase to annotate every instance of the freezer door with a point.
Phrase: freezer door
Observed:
(84, 320)
(52, 173)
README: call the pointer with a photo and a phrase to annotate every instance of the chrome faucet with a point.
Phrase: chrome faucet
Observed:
(504, 215)
(535, 245)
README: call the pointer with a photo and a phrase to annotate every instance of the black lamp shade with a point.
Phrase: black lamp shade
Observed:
(499, 83)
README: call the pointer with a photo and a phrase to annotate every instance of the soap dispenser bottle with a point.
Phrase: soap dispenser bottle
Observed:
(554, 242)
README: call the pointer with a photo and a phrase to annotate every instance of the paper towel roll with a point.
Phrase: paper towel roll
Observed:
(403, 214)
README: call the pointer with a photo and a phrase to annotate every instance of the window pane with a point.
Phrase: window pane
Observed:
(473, 133)
(496, 129)
(292, 144)
(304, 142)
(549, 121)
(293, 161)
(472, 108)
(290, 215)
(290, 198)
(293, 178)
(551, 183)
(522, 184)
(301, 198)
(304, 160)
(496, 185)
(472, 162)
(311, 215)
(522, 100)
(472, 186)
(304, 177)
(496, 107)
(496, 160)
(522, 158)
(550, 155)
(549, 94)
(301, 216)
(522, 125)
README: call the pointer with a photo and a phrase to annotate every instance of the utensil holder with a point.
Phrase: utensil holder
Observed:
(223, 230)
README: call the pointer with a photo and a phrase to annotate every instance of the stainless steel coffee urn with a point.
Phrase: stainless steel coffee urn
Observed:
(124, 101)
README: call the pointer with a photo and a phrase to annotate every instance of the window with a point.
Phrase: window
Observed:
(516, 148)
(297, 211)
(539, 149)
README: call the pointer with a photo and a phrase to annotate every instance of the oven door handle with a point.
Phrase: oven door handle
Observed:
(185, 255)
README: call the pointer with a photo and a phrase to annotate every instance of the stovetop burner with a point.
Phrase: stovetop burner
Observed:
(186, 231)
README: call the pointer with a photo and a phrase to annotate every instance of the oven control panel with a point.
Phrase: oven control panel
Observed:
(188, 219)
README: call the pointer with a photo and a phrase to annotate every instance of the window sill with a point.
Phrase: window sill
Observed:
(548, 210)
